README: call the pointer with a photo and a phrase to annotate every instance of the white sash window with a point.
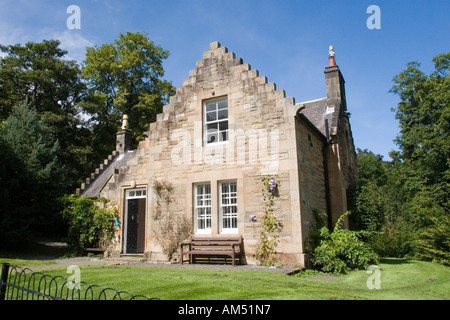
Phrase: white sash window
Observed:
(228, 207)
(202, 205)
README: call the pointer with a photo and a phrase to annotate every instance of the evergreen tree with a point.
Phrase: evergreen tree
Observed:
(16, 214)
(38, 72)
(30, 140)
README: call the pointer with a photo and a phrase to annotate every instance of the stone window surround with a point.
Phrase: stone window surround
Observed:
(214, 178)
(219, 207)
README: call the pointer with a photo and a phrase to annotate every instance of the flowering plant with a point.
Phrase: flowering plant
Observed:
(272, 183)
(271, 226)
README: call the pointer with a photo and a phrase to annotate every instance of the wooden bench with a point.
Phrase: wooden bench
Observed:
(96, 250)
(212, 247)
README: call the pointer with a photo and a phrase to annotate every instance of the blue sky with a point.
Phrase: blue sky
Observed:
(287, 41)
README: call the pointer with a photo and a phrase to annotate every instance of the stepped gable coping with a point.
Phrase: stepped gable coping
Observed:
(98, 171)
(236, 64)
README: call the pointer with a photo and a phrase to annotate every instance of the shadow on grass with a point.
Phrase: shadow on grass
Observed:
(394, 260)
(40, 249)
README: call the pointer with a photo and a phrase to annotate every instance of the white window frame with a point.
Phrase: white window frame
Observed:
(137, 193)
(202, 208)
(215, 113)
(227, 204)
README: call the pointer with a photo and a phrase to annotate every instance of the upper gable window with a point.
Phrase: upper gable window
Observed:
(215, 120)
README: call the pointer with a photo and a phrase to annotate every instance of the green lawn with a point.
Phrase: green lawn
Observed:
(400, 279)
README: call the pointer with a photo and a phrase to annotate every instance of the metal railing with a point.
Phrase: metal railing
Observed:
(17, 283)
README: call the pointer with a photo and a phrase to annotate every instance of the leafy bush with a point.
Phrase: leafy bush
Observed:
(91, 223)
(342, 250)
(434, 241)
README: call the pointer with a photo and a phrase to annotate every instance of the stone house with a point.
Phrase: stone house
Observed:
(224, 129)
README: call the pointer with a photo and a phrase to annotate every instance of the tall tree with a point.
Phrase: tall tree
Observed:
(424, 116)
(39, 73)
(28, 140)
(125, 77)
(376, 205)
(16, 215)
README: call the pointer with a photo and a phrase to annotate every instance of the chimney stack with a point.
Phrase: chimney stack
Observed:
(124, 137)
(335, 84)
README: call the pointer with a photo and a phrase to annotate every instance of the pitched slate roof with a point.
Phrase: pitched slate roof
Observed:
(320, 115)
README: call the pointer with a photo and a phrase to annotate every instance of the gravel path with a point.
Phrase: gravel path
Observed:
(83, 261)
(48, 250)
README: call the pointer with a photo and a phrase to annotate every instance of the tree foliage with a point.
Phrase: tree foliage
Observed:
(91, 223)
(57, 126)
(125, 77)
(40, 74)
(36, 173)
(405, 202)
(424, 116)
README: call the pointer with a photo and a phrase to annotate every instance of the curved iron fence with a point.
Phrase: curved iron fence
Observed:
(17, 283)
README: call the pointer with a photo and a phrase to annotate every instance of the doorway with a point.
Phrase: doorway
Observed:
(134, 233)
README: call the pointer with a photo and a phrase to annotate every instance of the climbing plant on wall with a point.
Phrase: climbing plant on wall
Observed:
(170, 227)
(271, 226)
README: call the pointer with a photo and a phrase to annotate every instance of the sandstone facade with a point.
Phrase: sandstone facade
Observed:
(226, 128)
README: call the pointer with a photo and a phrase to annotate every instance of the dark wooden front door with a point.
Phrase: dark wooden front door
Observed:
(135, 242)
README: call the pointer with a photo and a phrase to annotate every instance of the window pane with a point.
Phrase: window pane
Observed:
(223, 125)
(222, 104)
(223, 114)
(212, 138)
(223, 136)
(211, 116)
(234, 223)
(210, 106)
(212, 127)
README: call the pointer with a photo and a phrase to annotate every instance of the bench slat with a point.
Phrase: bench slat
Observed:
(209, 252)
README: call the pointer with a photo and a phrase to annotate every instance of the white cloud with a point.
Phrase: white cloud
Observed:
(74, 43)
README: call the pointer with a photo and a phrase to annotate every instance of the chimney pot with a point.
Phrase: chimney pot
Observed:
(331, 54)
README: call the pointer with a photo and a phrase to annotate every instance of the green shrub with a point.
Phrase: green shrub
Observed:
(342, 250)
(434, 241)
(91, 223)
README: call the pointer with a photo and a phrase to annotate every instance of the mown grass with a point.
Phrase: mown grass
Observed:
(400, 279)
